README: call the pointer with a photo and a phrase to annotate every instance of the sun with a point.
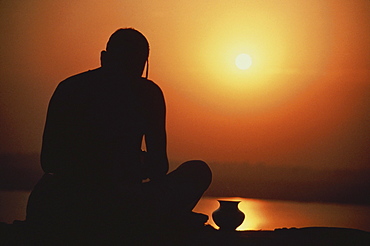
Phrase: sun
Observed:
(243, 61)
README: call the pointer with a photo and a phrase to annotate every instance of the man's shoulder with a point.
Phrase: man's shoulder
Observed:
(75, 85)
(150, 85)
(81, 78)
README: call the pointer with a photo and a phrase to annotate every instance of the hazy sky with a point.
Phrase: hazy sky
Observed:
(304, 101)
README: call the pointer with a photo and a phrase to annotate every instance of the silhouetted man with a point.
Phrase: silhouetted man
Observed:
(91, 151)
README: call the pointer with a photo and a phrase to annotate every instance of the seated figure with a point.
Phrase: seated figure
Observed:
(91, 152)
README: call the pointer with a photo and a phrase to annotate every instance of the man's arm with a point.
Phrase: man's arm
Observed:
(56, 134)
(155, 135)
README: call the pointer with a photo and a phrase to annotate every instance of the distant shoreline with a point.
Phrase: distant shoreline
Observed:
(22, 172)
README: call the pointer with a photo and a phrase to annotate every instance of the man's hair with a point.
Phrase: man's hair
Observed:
(128, 44)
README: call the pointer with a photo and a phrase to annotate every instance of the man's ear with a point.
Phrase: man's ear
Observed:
(103, 57)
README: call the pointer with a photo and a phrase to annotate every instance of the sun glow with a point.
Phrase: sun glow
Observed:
(243, 61)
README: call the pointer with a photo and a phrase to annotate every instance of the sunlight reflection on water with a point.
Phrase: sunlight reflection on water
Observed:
(269, 215)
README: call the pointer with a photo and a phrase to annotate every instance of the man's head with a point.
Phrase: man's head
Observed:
(127, 51)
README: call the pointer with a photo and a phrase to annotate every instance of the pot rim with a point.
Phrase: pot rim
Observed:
(222, 200)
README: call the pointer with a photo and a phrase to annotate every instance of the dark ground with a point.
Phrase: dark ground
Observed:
(19, 233)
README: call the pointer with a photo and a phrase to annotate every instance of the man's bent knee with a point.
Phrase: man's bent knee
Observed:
(199, 172)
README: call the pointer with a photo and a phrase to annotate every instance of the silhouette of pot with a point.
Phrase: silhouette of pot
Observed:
(228, 216)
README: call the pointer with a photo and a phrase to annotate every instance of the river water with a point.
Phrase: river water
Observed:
(259, 214)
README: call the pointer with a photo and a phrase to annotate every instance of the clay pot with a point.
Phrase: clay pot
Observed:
(228, 216)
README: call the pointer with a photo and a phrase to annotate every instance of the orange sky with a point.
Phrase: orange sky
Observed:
(304, 101)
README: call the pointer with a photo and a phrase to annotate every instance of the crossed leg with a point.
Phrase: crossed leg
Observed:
(181, 190)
